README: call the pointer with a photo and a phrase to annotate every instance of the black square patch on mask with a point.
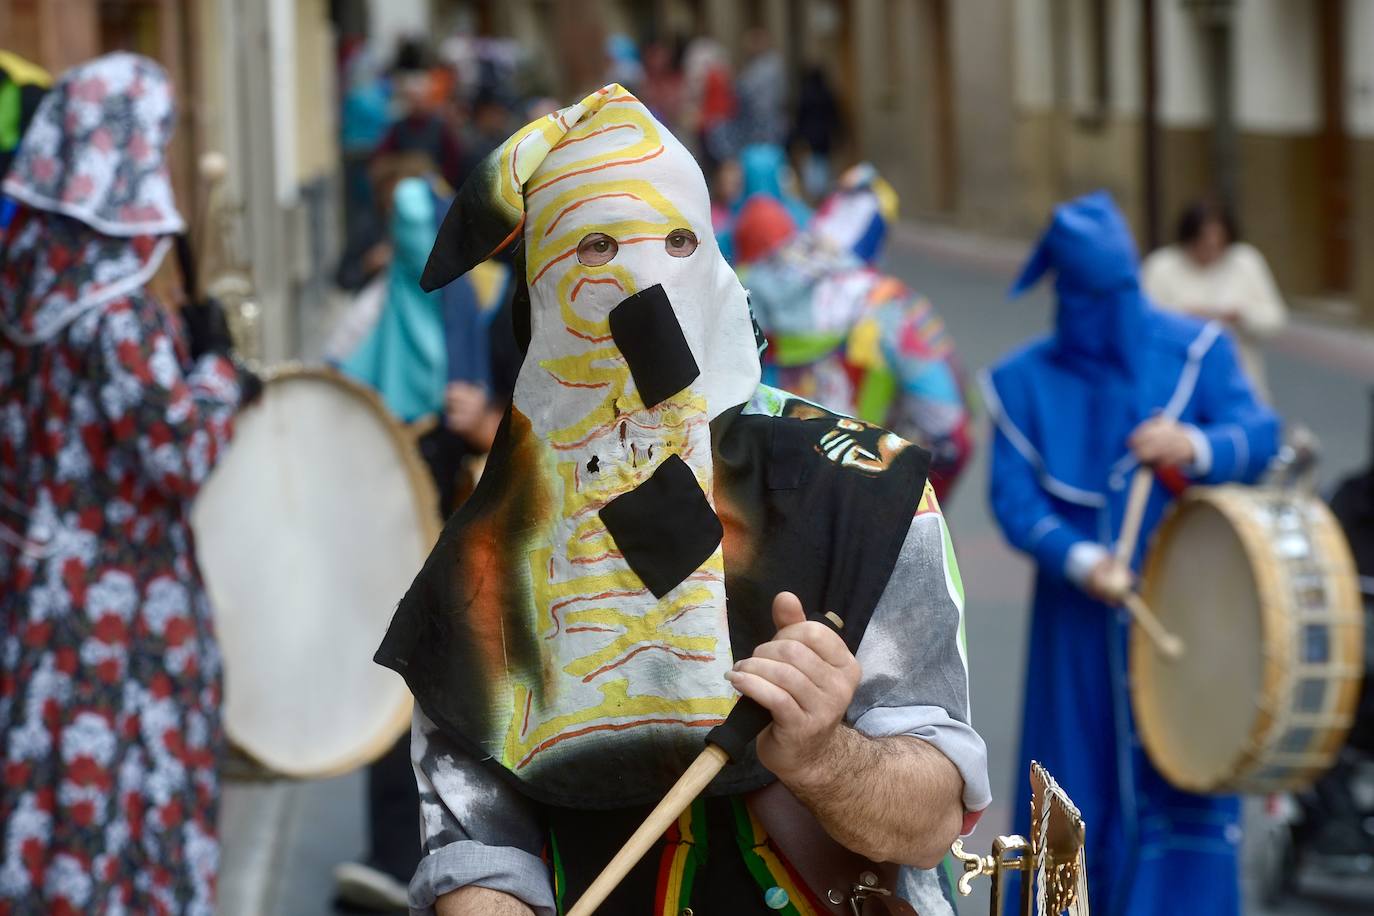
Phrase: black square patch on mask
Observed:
(665, 527)
(648, 334)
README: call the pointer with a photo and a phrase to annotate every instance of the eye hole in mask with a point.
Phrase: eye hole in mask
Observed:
(680, 243)
(597, 248)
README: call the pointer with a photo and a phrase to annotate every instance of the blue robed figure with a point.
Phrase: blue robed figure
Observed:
(1115, 384)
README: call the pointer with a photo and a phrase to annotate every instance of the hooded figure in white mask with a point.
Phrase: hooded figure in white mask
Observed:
(649, 517)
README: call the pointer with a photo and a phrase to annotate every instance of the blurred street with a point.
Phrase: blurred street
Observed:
(282, 841)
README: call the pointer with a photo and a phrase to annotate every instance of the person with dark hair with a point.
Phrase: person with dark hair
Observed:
(762, 90)
(663, 84)
(817, 126)
(1210, 273)
(489, 125)
(422, 126)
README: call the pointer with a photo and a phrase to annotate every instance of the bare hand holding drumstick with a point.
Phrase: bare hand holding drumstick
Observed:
(1161, 441)
(1158, 441)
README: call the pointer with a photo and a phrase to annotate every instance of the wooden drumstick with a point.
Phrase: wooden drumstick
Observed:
(724, 743)
(1164, 641)
(1141, 484)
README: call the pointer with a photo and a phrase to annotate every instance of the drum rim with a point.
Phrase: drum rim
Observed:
(1279, 657)
(404, 437)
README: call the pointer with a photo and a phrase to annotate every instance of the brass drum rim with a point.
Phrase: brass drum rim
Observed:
(426, 499)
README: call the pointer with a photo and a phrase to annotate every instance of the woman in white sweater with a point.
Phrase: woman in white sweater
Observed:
(1210, 274)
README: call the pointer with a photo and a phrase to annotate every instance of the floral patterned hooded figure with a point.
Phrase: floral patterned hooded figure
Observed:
(571, 624)
(95, 153)
(109, 671)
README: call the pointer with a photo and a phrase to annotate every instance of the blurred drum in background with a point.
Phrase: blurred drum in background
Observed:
(1260, 585)
(308, 533)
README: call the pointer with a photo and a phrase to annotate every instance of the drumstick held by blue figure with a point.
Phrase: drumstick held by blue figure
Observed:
(1168, 643)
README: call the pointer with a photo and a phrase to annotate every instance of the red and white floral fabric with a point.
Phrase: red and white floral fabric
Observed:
(109, 671)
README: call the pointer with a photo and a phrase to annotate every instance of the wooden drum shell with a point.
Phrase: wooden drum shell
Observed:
(1261, 586)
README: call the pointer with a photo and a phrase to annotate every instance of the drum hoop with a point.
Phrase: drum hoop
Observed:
(404, 438)
(1348, 613)
(1276, 631)
(1345, 611)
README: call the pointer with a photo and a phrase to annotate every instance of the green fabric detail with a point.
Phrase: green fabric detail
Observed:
(560, 882)
(696, 858)
(956, 581)
(758, 869)
(801, 349)
(949, 878)
(952, 563)
(767, 401)
(9, 115)
(876, 394)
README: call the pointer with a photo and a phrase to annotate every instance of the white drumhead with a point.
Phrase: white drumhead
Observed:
(1198, 713)
(308, 533)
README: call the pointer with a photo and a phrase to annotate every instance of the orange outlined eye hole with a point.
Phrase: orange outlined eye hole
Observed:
(680, 243)
(597, 248)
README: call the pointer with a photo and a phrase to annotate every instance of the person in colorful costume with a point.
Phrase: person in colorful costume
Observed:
(112, 420)
(859, 213)
(846, 336)
(568, 641)
(22, 87)
(763, 172)
(1114, 385)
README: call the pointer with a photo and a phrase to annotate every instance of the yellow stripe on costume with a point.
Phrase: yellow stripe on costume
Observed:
(24, 72)
(524, 152)
(928, 501)
(797, 897)
(864, 348)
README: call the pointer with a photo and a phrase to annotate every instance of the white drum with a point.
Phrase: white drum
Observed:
(308, 533)
(1260, 585)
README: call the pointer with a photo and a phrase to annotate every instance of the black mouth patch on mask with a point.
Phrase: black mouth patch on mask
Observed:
(665, 527)
(647, 333)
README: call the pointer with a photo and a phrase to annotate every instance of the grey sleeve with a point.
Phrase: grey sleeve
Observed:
(914, 660)
(475, 828)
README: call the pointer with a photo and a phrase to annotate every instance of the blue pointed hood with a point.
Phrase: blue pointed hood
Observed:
(1101, 312)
